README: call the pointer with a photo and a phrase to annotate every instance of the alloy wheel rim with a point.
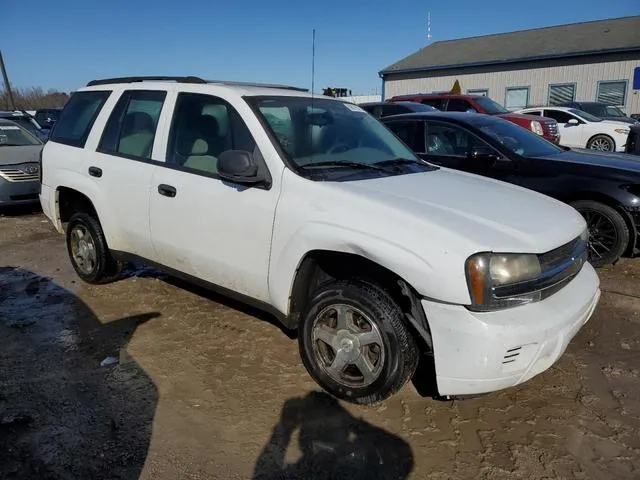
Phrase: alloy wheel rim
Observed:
(601, 144)
(602, 234)
(83, 250)
(348, 345)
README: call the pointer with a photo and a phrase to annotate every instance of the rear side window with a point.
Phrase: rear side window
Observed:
(411, 133)
(77, 118)
(393, 109)
(434, 102)
(459, 105)
(131, 128)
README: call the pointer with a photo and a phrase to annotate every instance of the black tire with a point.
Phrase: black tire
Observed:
(602, 143)
(105, 268)
(395, 365)
(607, 228)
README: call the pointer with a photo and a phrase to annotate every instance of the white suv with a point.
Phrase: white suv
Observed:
(310, 208)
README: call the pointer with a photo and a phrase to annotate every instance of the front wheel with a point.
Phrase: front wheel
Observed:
(354, 342)
(602, 143)
(608, 232)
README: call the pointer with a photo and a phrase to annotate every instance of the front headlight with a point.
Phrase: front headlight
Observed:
(486, 272)
(503, 280)
(536, 127)
(622, 131)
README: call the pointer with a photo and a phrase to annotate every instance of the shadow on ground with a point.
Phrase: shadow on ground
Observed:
(333, 445)
(62, 415)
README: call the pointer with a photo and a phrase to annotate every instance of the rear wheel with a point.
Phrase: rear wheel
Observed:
(354, 342)
(88, 250)
(602, 143)
(608, 232)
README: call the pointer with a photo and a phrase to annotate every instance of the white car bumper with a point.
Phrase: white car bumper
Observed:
(483, 352)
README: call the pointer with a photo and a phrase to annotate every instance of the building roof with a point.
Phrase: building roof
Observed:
(602, 36)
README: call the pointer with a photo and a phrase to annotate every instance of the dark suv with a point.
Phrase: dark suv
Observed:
(384, 109)
(601, 110)
(450, 102)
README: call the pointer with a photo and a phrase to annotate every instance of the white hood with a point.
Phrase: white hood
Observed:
(474, 212)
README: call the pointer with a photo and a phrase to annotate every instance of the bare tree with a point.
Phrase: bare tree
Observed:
(33, 98)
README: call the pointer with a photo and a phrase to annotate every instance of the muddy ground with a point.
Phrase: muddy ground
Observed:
(205, 388)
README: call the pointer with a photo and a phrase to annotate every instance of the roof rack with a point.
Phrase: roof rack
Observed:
(191, 79)
(106, 81)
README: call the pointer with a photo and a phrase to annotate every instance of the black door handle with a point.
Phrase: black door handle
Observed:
(167, 190)
(95, 172)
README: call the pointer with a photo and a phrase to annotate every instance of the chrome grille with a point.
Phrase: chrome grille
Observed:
(552, 127)
(25, 172)
(559, 266)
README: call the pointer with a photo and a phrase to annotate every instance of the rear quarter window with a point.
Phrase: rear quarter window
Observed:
(77, 118)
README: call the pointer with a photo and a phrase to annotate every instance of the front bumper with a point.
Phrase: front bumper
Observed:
(17, 193)
(483, 352)
(555, 139)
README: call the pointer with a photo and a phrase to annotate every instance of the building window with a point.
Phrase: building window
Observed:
(612, 93)
(479, 91)
(516, 98)
(562, 93)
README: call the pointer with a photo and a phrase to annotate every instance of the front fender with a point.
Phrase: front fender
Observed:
(287, 256)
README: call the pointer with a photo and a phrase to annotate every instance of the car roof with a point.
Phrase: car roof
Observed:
(458, 117)
(402, 102)
(197, 83)
(6, 121)
(438, 95)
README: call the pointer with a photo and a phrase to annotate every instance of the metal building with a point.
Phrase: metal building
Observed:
(591, 61)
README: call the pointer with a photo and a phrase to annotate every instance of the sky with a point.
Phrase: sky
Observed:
(62, 44)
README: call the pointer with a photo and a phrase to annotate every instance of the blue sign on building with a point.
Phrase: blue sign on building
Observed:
(636, 78)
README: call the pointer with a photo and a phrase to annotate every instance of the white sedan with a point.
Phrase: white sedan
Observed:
(579, 129)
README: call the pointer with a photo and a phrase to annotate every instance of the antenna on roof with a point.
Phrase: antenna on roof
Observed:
(313, 61)
(428, 25)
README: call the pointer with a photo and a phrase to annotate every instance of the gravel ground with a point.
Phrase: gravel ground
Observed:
(205, 388)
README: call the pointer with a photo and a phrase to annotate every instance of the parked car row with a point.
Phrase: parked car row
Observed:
(311, 209)
(448, 102)
(564, 125)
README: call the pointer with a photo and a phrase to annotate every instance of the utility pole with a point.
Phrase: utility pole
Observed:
(7, 85)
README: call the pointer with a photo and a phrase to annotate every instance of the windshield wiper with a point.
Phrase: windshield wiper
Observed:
(336, 163)
(11, 145)
(397, 162)
(400, 161)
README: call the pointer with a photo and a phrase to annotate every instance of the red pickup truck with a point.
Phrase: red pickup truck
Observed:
(450, 102)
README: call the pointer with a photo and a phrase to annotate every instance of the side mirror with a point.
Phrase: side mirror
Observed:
(483, 156)
(238, 166)
(573, 121)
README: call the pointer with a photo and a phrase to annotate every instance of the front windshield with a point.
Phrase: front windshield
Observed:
(517, 139)
(587, 116)
(490, 107)
(320, 134)
(14, 136)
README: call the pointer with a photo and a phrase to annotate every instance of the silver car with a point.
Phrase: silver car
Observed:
(19, 164)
